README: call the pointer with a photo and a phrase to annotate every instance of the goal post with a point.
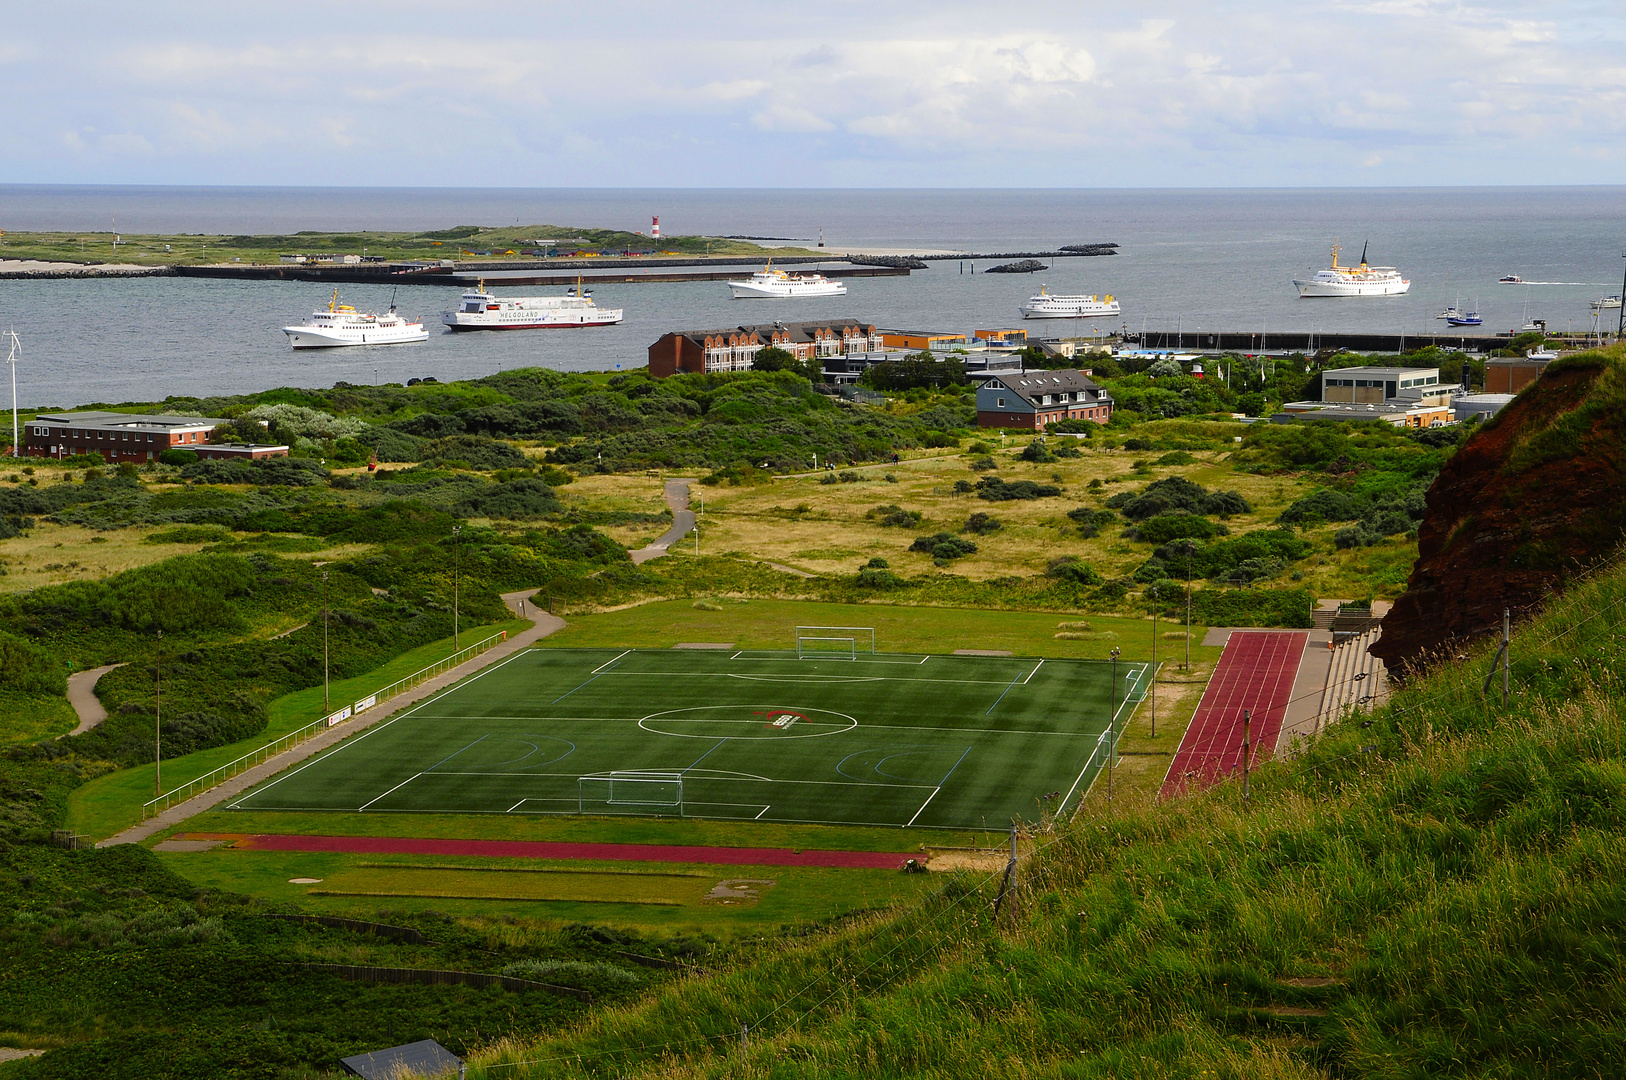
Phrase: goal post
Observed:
(837, 642)
(630, 792)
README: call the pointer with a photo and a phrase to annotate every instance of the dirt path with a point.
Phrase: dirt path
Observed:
(677, 497)
(543, 625)
(82, 696)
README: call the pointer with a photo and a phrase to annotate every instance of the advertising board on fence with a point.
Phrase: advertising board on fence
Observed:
(367, 702)
(339, 717)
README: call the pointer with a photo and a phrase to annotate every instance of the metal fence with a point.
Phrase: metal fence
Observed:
(262, 754)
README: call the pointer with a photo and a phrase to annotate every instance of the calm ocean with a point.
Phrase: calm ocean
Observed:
(1200, 259)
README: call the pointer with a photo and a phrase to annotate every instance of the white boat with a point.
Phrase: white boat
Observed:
(1542, 353)
(778, 285)
(1606, 302)
(1510, 279)
(479, 310)
(342, 324)
(1362, 280)
(1049, 305)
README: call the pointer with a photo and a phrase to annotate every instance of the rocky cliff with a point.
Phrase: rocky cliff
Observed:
(1534, 498)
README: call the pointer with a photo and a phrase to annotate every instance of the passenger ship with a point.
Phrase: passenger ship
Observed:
(479, 310)
(342, 324)
(778, 285)
(1362, 280)
(1048, 305)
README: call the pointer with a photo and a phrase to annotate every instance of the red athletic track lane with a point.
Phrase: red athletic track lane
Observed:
(1255, 672)
(544, 849)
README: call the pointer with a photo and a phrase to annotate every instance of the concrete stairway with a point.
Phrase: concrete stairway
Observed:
(1356, 679)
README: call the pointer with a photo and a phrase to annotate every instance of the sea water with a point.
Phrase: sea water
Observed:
(1198, 261)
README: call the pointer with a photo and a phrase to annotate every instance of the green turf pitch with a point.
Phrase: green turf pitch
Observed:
(884, 739)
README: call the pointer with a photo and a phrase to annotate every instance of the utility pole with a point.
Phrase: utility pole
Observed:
(1619, 328)
(1190, 548)
(1153, 690)
(158, 725)
(325, 702)
(457, 581)
(16, 354)
(1247, 719)
(1112, 723)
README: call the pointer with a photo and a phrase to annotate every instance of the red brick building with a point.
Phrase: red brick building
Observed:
(733, 348)
(134, 437)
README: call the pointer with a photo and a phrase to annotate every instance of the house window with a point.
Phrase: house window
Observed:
(1001, 403)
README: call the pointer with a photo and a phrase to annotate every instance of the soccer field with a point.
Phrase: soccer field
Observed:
(873, 739)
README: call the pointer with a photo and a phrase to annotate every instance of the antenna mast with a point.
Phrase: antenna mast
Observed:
(12, 358)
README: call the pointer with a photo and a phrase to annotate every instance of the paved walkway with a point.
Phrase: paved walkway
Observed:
(677, 497)
(82, 696)
(544, 624)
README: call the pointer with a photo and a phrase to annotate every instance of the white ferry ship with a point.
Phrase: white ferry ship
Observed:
(342, 324)
(479, 310)
(776, 284)
(1048, 305)
(1362, 280)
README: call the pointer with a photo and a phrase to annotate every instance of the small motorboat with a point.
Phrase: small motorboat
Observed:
(1510, 279)
(1465, 318)
(1605, 302)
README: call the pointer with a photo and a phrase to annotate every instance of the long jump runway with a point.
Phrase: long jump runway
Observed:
(1255, 673)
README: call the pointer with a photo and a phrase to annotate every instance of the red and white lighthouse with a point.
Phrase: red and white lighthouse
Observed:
(654, 228)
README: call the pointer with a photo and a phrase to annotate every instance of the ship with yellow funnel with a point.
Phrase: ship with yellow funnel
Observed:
(1362, 280)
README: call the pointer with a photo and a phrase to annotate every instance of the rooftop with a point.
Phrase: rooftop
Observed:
(95, 418)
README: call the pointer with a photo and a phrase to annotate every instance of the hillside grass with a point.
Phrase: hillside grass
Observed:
(1431, 890)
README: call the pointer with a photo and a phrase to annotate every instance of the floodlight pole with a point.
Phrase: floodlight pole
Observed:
(325, 702)
(1112, 721)
(1619, 328)
(1247, 719)
(1190, 547)
(16, 350)
(457, 581)
(158, 725)
(1154, 673)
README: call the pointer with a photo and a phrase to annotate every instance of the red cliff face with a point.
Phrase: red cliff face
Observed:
(1536, 497)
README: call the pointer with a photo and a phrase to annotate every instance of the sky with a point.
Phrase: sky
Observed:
(820, 93)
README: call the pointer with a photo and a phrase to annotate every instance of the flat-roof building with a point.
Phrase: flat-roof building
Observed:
(1376, 385)
(1510, 374)
(136, 437)
(734, 348)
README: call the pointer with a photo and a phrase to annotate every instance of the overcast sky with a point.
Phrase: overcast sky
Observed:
(816, 93)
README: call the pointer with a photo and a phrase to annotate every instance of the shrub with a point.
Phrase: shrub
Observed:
(877, 563)
(894, 516)
(1070, 568)
(175, 456)
(983, 464)
(879, 577)
(1325, 504)
(944, 546)
(1037, 451)
(29, 669)
(1166, 527)
(982, 524)
(994, 489)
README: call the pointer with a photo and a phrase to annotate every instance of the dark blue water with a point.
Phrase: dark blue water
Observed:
(1201, 259)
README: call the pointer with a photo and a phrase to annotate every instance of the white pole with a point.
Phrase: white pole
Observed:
(16, 347)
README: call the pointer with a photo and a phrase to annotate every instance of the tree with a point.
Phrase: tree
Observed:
(1164, 367)
(920, 369)
(774, 358)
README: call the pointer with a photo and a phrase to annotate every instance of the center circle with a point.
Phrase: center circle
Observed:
(748, 722)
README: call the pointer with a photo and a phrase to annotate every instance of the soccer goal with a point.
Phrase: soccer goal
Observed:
(636, 792)
(838, 642)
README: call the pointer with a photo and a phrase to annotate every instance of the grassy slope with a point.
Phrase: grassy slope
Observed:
(1437, 894)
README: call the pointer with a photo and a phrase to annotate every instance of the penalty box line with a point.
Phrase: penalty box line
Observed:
(860, 727)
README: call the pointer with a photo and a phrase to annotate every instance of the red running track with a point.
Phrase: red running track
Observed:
(542, 849)
(1255, 672)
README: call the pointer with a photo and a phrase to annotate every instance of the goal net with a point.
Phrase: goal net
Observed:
(634, 792)
(839, 642)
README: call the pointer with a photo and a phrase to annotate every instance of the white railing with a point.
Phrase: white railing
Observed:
(271, 749)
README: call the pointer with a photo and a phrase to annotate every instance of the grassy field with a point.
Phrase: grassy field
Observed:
(882, 739)
(770, 624)
(113, 802)
(640, 896)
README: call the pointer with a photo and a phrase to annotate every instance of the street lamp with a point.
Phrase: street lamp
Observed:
(325, 702)
(158, 725)
(1190, 549)
(457, 580)
(1619, 327)
(1112, 722)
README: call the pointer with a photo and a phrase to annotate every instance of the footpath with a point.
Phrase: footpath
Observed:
(677, 498)
(543, 625)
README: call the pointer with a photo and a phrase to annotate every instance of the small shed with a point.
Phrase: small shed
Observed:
(425, 1058)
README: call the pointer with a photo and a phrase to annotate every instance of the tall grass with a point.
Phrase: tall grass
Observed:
(1433, 889)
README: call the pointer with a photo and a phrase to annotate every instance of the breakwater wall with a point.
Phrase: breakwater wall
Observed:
(1306, 341)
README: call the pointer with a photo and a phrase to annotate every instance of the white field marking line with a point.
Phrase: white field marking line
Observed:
(658, 774)
(765, 809)
(717, 779)
(923, 806)
(397, 787)
(805, 659)
(1032, 673)
(737, 655)
(800, 678)
(1065, 799)
(575, 813)
(607, 663)
(516, 806)
(351, 740)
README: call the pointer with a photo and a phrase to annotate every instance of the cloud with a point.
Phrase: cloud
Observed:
(631, 93)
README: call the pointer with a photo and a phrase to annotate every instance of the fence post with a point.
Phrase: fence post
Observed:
(1247, 719)
(1009, 881)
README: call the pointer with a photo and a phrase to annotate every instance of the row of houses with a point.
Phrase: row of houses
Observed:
(138, 438)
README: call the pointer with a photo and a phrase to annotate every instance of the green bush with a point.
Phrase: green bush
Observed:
(944, 546)
(1165, 527)
(982, 524)
(894, 516)
(1071, 568)
(995, 489)
(29, 669)
(177, 457)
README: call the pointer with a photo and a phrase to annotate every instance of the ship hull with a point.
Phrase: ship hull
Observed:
(304, 337)
(1311, 289)
(745, 290)
(1079, 311)
(459, 321)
